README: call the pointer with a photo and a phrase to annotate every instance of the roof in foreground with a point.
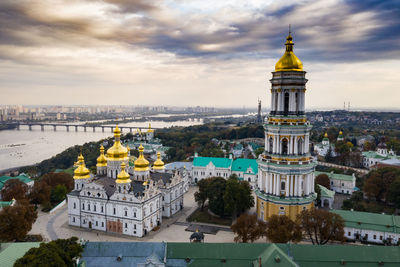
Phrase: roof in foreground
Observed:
(242, 254)
(10, 252)
(370, 221)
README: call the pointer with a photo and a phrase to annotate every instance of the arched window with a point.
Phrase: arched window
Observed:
(300, 146)
(276, 102)
(297, 102)
(285, 146)
(271, 145)
(286, 105)
(283, 183)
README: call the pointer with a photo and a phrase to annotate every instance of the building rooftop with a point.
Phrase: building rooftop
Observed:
(370, 221)
(325, 192)
(336, 176)
(217, 162)
(179, 165)
(22, 177)
(242, 165)
(10, 252)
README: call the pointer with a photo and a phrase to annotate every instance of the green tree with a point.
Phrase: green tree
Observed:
(259, 151)
(216, 190)
(61, 252)
(393, 195)
(16, 221)
(40, 193)
(58, 193)
(248, 228)
(53, 179)
(281, 229)
(321, 226)
(201, 195)
(379, 181)
(323, 180)
(237, 196)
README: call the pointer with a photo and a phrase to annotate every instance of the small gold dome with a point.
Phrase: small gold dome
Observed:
(340, 132)
(150, 130)
(81, 172)
(101, 160)
(158, 164)
(117, 151)
(123, 177)
(289, 61)
(141, 164)
(326, 135)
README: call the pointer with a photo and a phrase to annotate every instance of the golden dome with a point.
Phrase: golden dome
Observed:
(150, 130)
(123, 177)
(289, 61)
(141, 164)
(158, 164)
(117, 151)
(340, 132)
(101, 160)
(326, 135)
(81, 172)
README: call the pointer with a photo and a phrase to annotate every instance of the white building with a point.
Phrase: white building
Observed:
(371, 158)
(323, 148)
(370, 227)
(112, 202)
(341, 183)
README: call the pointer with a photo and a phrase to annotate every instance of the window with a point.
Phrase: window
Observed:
(102, 224)
(380, 237)
(83, 206)
(94, 208)
(271, 144)
(97, 223)
(74, 205)
(300, 146)
(134, 214)
(297, 102)
(374, 236)
(286, 104)
(349, 234)
(285, 146)
(126, 225)
(73, 219)
(88, 206)
(281, 208)
(102, 209)
(342, 184)
(126, 213)
(282, 185)
(134, 226)
(114, 211)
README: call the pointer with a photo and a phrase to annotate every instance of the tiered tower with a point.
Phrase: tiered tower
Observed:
(286, 171)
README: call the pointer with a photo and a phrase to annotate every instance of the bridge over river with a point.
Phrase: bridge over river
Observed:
(76, 127)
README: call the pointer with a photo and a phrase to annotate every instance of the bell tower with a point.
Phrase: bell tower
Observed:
(286, 171)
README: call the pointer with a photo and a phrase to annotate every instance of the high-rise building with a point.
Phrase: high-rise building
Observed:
(286, 170)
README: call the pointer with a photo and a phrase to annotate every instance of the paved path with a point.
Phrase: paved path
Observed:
(50, 223)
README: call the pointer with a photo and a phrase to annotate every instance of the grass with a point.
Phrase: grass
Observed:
(205, 217)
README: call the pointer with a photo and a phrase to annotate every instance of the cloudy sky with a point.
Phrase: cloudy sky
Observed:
(196, 52)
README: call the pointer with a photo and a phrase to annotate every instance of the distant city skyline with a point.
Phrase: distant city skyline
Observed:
(196, 53)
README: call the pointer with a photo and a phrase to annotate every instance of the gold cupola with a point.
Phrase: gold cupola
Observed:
(326, 135)
(158, 164)
(141, 164)
(289, 61)
(117, 151)
(123, 177)
(150, 130)
(81, 172)
(101, 160)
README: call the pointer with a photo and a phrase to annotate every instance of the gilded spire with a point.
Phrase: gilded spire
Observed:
(123, 177)
(289, 61)
(141, 164)
(81, 172)
(101, 160)
(158, 164)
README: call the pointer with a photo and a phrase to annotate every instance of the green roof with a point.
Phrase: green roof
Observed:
(251, 254)
(370, 221)
(241, 165)
(336, 176)
(22, 177)
(5, 203)
(325, 192)
(372, 154)
(217, 162)
(10, 252)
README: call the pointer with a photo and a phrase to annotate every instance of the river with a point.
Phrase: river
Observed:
(24, 147)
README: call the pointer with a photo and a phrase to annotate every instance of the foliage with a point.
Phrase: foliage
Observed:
(281, 229)
(61, 178)
(259, 151)
(248, 228)
(16, 221)
(237, 196)
(61, 252)
(205, 217)
(201, 195)
(40, 193)
(321, 226)
(216, 190)
(393, 194)
(317, 190)
(378, 183)
(323, 180)
(14, 188)
(58, 193)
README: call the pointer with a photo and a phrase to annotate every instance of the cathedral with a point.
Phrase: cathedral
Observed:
(118, 199)
(285, 183)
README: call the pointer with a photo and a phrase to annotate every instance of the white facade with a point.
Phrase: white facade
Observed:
(370, 236)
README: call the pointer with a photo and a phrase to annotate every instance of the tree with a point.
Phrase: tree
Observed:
(40, 193)
(216, 190)
(321, 226)
(379, 182)
(328, 156)
(14, 188)
(16, 221)
(323, 180)
(259, 151)
(61, 252)
(393, 195)
(237, 196)
(53, 179)
(58, 193)
(248, 228)
(201, 195)
(281, 229)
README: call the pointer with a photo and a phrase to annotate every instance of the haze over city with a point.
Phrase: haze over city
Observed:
(207, 53)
